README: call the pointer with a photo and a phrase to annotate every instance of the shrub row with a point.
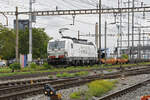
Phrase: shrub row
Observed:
(33, 67)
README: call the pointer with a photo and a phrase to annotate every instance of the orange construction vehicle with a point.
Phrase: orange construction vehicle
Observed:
(109, 61)
(145, 97)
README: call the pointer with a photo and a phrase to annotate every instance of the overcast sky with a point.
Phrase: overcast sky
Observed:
(84, 23)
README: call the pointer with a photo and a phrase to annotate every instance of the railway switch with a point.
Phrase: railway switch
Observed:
(51, 92)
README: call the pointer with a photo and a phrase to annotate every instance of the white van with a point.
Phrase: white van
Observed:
(2, 64)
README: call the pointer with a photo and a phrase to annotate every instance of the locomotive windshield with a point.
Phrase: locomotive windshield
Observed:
(57, 45)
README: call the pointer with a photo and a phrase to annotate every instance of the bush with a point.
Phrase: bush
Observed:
(99, 87)
(33, 65)
(5, 70)
(47, 66)
(75, 95)
(83, 73)
(124, 56)
(59, 75)
(95, 88)
(50, 76)
(15, 66)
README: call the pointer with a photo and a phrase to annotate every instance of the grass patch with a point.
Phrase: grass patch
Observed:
(35, 68)
(50, 76)
(109, 70)
(5, 70)
(59, 75)
(76, 95)
(99, 87)
(15, 73)
(82, 73)
(47, 68)
(95, 88)
(124, 65)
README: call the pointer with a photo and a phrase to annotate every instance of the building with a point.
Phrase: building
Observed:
(22, 24)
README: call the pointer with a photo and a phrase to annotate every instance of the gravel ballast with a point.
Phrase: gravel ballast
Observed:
(65, 93)
(137, 94)
(122, 83)
(128, 81)
(23, 79)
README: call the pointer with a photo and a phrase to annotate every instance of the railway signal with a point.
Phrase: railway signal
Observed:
(50, 92)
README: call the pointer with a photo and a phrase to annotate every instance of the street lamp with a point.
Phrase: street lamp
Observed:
(118, 27)
(106, 24)
(62, 30)
(5, 17)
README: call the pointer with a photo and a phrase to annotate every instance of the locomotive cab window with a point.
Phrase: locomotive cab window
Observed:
(57, 45)
(71, 45)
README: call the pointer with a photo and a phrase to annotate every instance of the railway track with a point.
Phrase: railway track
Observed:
(54, 73)
(29, 81)
(19, 91)
(125, 91)
(13, 91)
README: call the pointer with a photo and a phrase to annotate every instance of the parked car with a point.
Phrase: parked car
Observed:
(2, 64)
(39, 61)
(9, 62)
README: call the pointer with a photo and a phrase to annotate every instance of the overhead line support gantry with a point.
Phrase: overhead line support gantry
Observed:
(83, 11)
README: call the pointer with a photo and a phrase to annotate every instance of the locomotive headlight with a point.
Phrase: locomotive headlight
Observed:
(51, 93)
(45, 92)
(66, 53)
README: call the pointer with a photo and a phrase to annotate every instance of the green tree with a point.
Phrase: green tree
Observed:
(7, 43)
(15, 66)
(124, 56)
(39, 42)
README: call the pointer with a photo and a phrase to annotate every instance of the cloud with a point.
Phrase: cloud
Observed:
(84, 23)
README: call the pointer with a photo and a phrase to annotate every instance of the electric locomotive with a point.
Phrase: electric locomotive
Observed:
(71, 51)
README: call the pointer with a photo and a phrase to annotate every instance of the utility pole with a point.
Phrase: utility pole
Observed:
(148, 45)
(117, 48)
(100, 29)
(105, 40)
(73, 16)
(96, 35)
(30, 33)
(133, 29)
(129, 29)
(142, 4)
(17, 36)
(139, 47)
(118, 42)
(119, 28)
(143, 45)
(120, 6)
(143, 38)
(78, 34)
